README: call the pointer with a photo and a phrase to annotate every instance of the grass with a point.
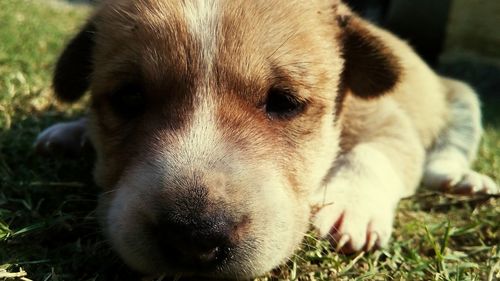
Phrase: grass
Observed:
(48, 228)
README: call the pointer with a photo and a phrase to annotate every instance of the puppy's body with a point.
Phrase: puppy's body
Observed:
(219, 124)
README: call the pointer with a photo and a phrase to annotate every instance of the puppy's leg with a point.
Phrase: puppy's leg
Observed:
(448, 162)
(358, 202)
(67, 138)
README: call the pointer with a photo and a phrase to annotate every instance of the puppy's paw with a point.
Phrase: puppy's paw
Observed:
(358, 218)
(357, 206)
(68, 139)
(355, 230)
(451, 178)
(470, 183)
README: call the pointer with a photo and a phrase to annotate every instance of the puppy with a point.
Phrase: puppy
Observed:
(224, 128)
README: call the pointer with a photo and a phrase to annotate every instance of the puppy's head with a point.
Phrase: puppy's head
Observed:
(213, 122)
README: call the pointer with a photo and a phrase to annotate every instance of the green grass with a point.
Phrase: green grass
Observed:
(48, 228)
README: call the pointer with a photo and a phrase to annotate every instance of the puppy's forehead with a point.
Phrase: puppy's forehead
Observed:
(191, 39)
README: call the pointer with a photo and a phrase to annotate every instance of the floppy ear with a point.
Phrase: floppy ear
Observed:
(73, 69)
(371, 69)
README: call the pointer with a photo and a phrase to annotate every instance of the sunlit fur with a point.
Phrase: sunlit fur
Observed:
(205, 68)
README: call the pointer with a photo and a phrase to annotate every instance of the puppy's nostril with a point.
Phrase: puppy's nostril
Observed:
(202, 243)
(209, 255)
(207, 247)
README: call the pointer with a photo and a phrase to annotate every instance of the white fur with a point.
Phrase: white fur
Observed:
(364, 190)
(198, 144)
(125, 210)
(202, 19)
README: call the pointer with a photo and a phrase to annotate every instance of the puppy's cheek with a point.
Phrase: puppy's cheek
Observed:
(283, 221)
(109, 168)
(111, 159)
(316, 155)
(123, 220)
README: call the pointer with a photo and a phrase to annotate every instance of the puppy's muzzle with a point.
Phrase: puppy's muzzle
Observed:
(199, 241)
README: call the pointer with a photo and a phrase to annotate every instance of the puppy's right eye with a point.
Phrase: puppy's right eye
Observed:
(128, 101)
(281, 104)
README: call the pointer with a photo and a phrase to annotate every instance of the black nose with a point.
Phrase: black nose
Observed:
(199, 243)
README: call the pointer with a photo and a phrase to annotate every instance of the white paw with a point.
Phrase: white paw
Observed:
(355, 228)
(453, 178)
(357, 217)
(357, 208)
(68, 138)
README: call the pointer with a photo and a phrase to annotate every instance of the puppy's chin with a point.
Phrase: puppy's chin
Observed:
(277, 224)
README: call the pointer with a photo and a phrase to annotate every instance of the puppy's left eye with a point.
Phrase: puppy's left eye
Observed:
(282, 104)
(128, 101)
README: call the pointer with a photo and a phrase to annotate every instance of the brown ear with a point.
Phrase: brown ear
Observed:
(370, 69)
(73, 69)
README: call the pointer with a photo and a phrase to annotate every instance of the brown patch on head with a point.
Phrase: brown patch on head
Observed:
(371, 68)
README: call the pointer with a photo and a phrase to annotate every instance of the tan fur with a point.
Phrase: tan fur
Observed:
(202, 144)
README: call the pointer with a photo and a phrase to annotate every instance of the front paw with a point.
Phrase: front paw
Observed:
(68, 139)
(358, 203)
(355, 226)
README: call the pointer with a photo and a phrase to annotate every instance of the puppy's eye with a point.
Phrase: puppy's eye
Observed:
(128, 101)
(282, 104)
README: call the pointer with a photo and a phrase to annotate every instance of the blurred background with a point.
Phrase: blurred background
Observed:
(458, 38)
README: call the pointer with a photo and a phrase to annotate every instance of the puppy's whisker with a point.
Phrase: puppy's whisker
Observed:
(108, 192)
(292, 35)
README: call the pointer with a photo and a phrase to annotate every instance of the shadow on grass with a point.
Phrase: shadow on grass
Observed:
(48, 206)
